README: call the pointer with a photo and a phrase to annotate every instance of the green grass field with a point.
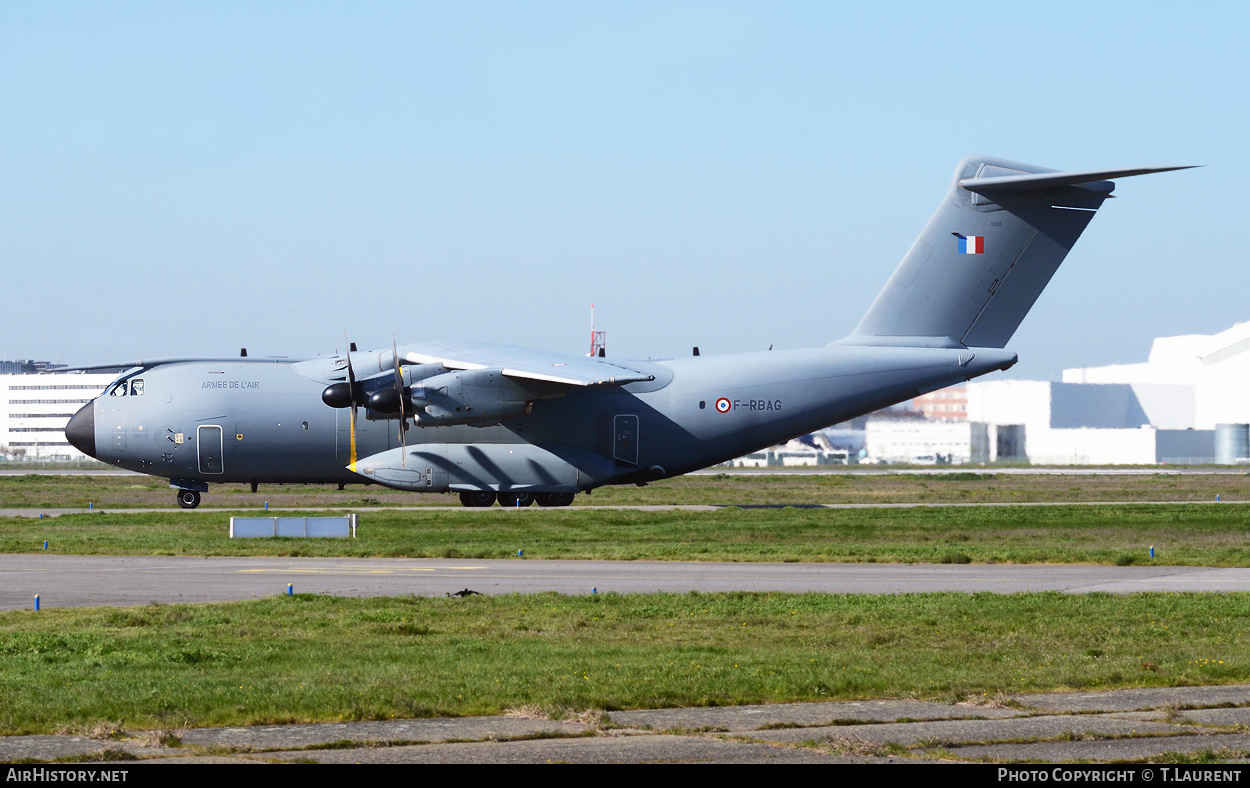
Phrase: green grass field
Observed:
(287, 659)
(1207, 535)
(322, 658)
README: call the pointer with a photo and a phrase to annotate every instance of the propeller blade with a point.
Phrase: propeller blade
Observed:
(351, 379)
(403, 418)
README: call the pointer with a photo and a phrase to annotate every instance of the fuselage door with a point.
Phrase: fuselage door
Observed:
(625, 439)
(209, 440)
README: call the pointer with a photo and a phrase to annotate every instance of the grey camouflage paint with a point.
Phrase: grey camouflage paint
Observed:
(943, 318)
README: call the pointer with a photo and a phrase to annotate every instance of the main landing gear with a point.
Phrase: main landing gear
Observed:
(188, 499)
(480, 498)
(554, 499)
(477, 498)
(515, 499)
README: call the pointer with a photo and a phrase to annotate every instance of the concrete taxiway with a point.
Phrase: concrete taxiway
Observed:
(1119, 725)
(85, 581)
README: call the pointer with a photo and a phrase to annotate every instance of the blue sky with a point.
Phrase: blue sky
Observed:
(187, 180)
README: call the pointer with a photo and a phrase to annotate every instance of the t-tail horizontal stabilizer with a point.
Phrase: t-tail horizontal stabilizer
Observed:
(986, 255)
(1002, 184)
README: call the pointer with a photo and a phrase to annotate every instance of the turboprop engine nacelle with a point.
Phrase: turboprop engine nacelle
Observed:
(475, 396)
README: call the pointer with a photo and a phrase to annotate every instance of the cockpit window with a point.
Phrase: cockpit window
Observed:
(136, 387)
(119, 390)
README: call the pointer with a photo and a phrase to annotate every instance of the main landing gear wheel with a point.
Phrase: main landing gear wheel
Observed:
(477, 498)
(554, 499)
(515, 499)
(188, 499)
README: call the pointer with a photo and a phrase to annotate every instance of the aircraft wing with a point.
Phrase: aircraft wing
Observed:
(524, 363)
(149, 363)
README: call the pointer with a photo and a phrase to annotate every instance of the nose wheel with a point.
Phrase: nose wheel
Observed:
(188, 499)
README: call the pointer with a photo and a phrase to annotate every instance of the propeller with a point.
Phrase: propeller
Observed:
(385, 401)
(351, 380)
(346, 394)
(403, 418)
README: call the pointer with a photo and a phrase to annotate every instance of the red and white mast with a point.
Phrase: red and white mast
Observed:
(598, 339)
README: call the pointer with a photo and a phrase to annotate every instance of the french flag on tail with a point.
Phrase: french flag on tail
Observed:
(971, 244)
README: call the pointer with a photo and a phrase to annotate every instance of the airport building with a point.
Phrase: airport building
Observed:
(1188, 382)
(34, 409)
(1185, 404)
(920, 441)
(827, 447)
(943, 404)
(1081, 424)
(1043, 423)
(27, 367)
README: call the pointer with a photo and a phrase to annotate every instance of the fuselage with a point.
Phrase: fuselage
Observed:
(265, 422)
(498, 423)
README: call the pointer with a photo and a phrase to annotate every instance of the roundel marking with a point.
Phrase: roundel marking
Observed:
(723, 405)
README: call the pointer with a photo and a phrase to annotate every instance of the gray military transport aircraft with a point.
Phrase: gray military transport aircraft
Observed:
(508, 424)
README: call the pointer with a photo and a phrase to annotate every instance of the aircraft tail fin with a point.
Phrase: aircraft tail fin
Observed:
(986, 255)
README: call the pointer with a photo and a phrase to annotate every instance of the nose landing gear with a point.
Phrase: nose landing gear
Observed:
(188, 499)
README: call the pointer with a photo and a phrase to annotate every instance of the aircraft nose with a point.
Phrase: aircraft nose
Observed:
(80, 431)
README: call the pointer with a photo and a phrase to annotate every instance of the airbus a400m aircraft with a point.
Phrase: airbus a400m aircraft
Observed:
(507, 424)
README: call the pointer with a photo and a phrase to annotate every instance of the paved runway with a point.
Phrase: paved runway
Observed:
(85, 581)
